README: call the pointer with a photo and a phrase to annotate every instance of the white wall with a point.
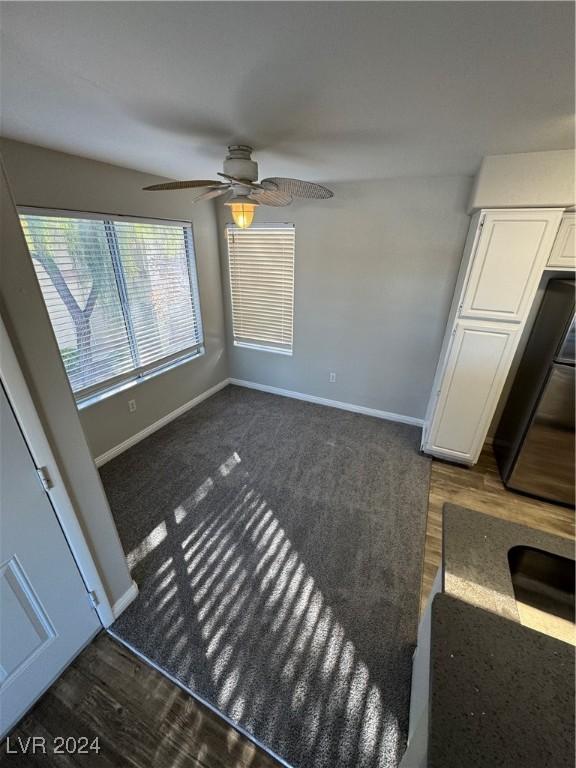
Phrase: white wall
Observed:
(41, 177)
(374, 276)
(526, 179)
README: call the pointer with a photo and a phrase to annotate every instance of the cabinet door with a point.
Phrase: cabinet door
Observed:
(476, 367)
(563, 255)
(511, 253)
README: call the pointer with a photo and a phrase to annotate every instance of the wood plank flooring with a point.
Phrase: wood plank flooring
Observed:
(143, 720)
(480, 488)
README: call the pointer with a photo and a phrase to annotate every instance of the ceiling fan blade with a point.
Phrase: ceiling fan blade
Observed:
(273, 197)
(210, 193)
(243, 182)
(299, 188)
(183, 185)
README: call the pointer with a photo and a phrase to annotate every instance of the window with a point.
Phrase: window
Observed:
(261, 261)
(121, 294)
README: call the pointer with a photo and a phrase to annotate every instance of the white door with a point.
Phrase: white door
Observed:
(476, 367)
(45, 614)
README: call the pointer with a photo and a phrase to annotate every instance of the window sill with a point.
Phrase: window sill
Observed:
(104, 394)
(263, 348)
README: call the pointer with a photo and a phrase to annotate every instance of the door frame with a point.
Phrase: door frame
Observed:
(29, 421)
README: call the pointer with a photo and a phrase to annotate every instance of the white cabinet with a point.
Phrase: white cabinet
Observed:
(563, 254)
(505, 255)
(508, 260)
(476, 367)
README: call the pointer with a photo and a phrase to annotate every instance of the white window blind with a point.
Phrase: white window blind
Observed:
(122, 295)
(261, 263)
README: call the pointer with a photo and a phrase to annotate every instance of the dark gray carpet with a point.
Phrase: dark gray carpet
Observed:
(278, 549)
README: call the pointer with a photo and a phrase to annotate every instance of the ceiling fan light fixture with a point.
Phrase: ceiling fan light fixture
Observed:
(240, 176)
(242, 211)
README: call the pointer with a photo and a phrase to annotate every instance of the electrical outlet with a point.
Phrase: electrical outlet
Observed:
(332, 377)
(131, 405)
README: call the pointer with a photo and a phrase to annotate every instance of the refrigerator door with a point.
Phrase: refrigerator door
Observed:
(566, 352)
(548, 339)
(545, 463)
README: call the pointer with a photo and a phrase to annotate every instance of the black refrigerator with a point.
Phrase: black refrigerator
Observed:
(534, 442)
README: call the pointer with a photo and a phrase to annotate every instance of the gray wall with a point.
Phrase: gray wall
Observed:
(56, 180)
(27, 323)
(375, 272)
(374, 277)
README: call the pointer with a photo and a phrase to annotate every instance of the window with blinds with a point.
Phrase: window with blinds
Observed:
(261, 264)
(122, 294)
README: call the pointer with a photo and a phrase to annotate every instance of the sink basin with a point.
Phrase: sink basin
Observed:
(544, 590)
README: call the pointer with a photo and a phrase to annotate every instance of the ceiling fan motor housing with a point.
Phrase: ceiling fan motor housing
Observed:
(238, 163)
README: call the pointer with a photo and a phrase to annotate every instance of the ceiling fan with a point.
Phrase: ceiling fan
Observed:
(244, 190)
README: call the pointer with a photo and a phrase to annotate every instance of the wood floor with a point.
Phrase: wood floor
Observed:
(143, 720)
(480, 488)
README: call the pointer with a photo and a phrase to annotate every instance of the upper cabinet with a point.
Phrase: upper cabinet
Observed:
(563, 254)
(510, 252)
(505, 255)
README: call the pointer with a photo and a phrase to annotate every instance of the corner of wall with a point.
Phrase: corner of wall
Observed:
(34, 343)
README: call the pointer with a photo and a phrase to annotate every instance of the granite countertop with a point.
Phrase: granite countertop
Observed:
(501, 694)
(475, 557)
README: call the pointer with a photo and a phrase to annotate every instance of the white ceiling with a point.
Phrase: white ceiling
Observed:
(326, 91)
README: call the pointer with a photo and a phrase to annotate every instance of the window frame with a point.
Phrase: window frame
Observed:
(255, 345)
(104, 389)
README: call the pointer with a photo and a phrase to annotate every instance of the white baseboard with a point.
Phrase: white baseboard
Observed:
(123, 602)
(331, 403)
(121, 447)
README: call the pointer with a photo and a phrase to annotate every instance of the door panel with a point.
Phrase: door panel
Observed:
(563, 255)
(508, 262)
(475, 371)
(45, 614)
(28, 629)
